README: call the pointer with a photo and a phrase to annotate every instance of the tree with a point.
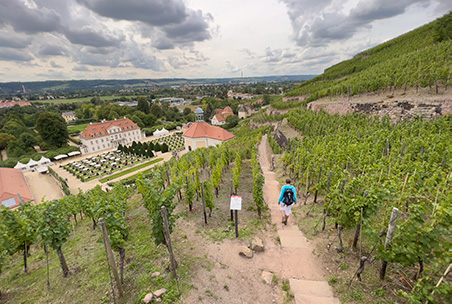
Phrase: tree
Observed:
(164, 148)
(266, 99)
(5, 139)
(156, 110)
(143, 105)
(28, 140)
(53, 129)
(16, 127)
(187, 111)
(157, 147)
(232, 121)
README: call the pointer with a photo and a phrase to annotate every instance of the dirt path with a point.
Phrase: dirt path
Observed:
(225, 277)
(302, 267)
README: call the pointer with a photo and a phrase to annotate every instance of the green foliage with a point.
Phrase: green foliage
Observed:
(5, 139)
(155, 196)
(371, 165)
(208, 194)
(54, 227)
(143, 105)
(273, 144)
(258, 183)
(236, 171)
(53, 129)
(418, 58)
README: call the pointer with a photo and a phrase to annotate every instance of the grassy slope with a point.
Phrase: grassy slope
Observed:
(420, 57)
(89, 280)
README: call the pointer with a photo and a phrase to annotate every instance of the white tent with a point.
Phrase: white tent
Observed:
(43, 169)
(61, 156)
(44, 161)
(159, 133)
(74, 153)
(21, 166)
(32, 163)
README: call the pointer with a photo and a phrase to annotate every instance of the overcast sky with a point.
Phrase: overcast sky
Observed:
(121, 39)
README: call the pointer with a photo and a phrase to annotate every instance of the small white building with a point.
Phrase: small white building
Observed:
(109, 134)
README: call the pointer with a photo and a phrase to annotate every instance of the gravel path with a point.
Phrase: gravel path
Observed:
(301, 265)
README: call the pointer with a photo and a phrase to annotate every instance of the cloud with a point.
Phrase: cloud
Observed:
(169, 23)
(151, 12)
(248, 52)
(231, 68)
(9, 54)
(318, 23)
(16, 42)
(53, 64)
(28, 19)
(90, 37)
(81, 68)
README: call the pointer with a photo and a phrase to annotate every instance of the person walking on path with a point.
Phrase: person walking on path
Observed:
(287, 199)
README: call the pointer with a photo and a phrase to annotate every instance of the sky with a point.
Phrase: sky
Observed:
(124, 39)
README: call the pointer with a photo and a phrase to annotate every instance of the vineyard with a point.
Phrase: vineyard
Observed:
(379, 192)
(420, 58)
(36, 236)
(363, 168)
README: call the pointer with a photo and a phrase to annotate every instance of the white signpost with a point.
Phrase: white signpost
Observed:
(236, 204)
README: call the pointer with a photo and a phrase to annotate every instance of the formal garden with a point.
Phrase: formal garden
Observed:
(134, 157)
(174, 142)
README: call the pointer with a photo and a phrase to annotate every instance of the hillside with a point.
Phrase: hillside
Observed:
(105, 84)
(420, 58)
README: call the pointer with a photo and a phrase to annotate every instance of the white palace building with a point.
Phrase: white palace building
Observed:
(109, 134)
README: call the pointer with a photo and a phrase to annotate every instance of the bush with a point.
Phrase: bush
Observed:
(164, 148)
(74, 140)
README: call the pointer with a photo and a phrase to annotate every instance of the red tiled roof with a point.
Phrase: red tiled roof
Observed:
(10, 104)
(96, 129)
(203, 129)
(12, 182)
(226, 110)
(220, 118)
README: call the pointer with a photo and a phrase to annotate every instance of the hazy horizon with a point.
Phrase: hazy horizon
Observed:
(148, 39)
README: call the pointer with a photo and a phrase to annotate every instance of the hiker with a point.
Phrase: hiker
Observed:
(287, 199)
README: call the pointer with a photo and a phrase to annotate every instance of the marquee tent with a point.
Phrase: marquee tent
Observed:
(160, 133)
(21, 166)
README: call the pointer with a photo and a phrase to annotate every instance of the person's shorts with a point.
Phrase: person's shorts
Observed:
(286, 208)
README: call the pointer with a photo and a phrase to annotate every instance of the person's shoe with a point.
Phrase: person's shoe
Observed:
(283, 219)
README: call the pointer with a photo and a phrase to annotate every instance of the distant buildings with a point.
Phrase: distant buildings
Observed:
(245, 111)
(69, 116)
(241, 96)
(9, 103)
(132, 104)
(173, 100)
(14, 188)
(220, 117)
(109, 134)
(200, 134)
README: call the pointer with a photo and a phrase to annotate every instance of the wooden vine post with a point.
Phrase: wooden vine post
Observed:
(168, 241)
(110, 256)
(389, 235)
(203, 203)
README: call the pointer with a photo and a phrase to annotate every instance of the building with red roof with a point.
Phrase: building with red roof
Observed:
(109, 134)
(14, 188)
(221, 114)
(202, 135)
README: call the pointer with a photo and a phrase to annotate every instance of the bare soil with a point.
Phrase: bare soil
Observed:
(226, 277)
